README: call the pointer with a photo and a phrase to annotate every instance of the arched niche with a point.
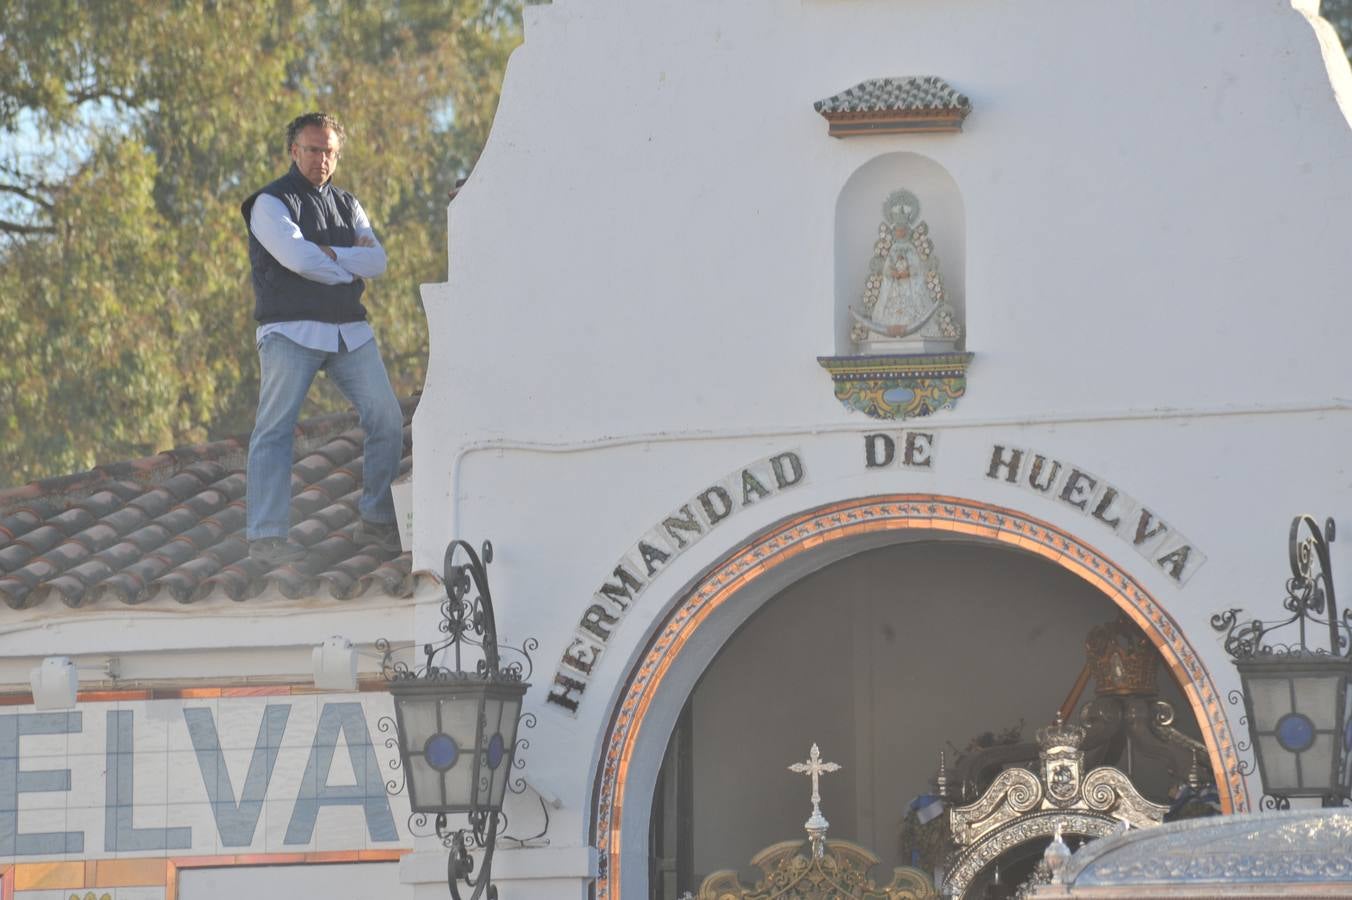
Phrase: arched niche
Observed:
(704, 615)
(859, 213)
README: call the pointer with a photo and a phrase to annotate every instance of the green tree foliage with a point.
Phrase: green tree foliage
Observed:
(1339, 12)
(130, 132)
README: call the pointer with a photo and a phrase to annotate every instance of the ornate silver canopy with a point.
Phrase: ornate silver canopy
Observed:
(1021, 806)
(1297, 853)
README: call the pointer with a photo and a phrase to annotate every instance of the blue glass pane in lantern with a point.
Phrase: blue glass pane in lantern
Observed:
(1295, 732)
(1347, 735)
(495, 748)
(441, 752)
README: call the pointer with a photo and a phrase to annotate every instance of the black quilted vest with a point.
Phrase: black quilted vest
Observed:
(325, 217)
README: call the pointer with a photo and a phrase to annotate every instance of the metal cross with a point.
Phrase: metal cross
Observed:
(815, 768)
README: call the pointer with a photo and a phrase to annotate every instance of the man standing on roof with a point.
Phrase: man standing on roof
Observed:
(310, 247)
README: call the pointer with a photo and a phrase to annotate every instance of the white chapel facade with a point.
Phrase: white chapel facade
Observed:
(823, 372)
(741, 515)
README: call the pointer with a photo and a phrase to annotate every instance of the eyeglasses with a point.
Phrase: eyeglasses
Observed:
(326, 152)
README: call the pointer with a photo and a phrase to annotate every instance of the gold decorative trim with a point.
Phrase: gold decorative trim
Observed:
(791, 869)
(846, 519)
(898, 386)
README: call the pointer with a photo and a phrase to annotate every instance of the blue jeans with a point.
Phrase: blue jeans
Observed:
(287, 370)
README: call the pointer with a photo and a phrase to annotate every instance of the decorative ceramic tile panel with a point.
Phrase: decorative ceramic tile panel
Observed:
(184, 777)
(898, 386)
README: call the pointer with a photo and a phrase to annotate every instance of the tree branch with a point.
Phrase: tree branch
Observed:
(26, 177)
(26, 194)
(85, 94)
(18, 228)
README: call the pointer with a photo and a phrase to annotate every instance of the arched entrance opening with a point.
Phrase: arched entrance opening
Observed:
(928, 544)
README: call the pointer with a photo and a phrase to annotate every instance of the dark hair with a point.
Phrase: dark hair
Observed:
(317, 119)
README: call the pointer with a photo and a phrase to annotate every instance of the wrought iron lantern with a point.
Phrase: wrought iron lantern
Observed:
(1298, 698)
(457, 729)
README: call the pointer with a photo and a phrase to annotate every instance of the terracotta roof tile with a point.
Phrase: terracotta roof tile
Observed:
(173, 524)
(231, 518)
(18, 587)
(335, 516)
(126, 519)
(231, 580)
(887, 94)
(65, 555)
(125, 587)
(72, 520)
(101, 504)
(204, 534)
(14, 556)
(97, 537)
(180, 583)
(89, 572)
(153, 503)
(68, 590)
(41, 539)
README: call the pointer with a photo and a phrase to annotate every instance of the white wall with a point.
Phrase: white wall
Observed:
(351, 881)
(650, 226)
(215, 641)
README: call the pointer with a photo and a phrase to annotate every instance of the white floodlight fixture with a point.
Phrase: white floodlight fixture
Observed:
(335, 665)
(55, 683)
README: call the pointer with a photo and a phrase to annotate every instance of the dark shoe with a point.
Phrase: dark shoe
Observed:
(384, 535)
(276, 550)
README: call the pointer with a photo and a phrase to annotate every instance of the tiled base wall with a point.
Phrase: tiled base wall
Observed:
(160, 879)
(102, 893)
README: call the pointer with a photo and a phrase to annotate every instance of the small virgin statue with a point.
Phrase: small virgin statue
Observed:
(904, 309)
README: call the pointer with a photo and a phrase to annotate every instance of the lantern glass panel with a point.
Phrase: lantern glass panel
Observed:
(1316, 764)
(419, 720)
(1271, 698)
(1347, 738)
(1279, 766)
(1317, 698)
(460, 722)
(424, 785)
(500, 715)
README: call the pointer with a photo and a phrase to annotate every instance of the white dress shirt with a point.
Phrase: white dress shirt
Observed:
(271, 222)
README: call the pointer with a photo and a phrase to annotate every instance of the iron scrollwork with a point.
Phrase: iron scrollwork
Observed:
(467, 621)
(1311, 606)
(1310, 600)
(387, 726)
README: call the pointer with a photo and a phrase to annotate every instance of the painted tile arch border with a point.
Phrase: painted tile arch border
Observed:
(845, 519)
